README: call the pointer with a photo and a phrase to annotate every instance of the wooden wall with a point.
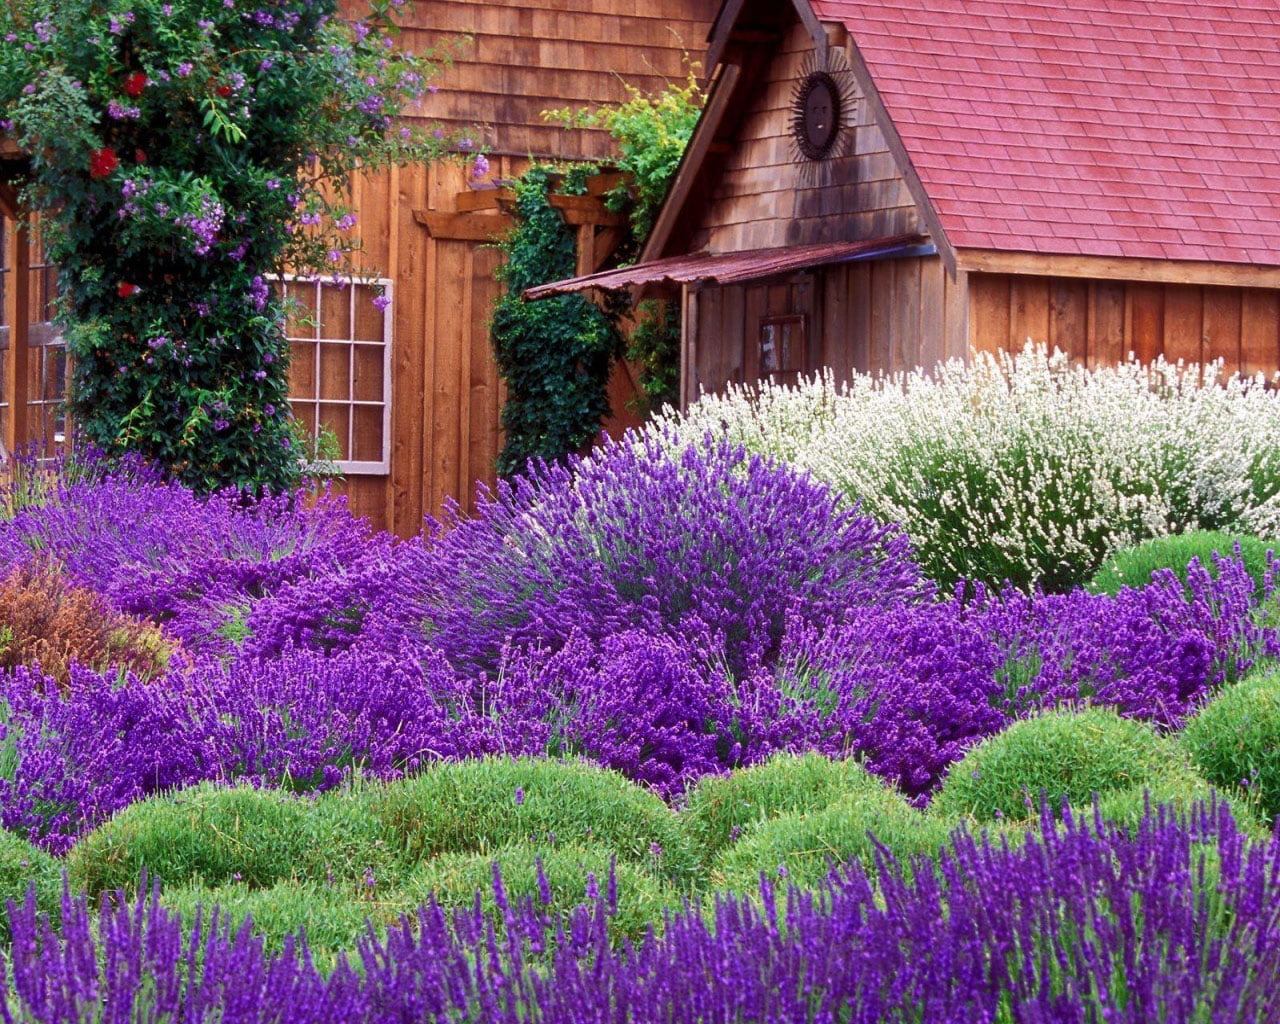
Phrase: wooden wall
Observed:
(1101, 322)
(768, 195)
(534, 55)
(524, 58)
(885, 315)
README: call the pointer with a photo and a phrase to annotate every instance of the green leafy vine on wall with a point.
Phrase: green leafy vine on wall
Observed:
(555, 354)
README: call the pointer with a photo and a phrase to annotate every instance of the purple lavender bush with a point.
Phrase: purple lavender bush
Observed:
(1174, 922)
(155, 549)
(705, 541)
(72, 756)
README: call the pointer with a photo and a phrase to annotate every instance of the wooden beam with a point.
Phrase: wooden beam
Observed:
(17, 314)
(606, 242)
(1114, 268)
(9, 206)
(484, 199)
(816, 32)
(577, 210)
(704, 136)
(464, 227)
(721, 31)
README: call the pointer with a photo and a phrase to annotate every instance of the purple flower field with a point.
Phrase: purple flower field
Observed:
(668, 616)
(1082, 924)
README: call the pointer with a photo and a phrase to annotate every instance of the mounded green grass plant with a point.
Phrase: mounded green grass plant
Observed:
(1234, 741)
(1057, 756)
(801, 849)
(454, 879)
(1132, 567)
(333, 917)
(481, 806)
(722, 808)
(217, 835)
(23, 865)
(1180, 789)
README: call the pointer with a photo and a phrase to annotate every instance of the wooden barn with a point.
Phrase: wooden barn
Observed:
(413, 394)
(880, 184)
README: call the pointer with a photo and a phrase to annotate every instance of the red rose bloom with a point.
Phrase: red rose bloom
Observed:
(102, 162)
(135, 83)
(126, 289)
(223, 90)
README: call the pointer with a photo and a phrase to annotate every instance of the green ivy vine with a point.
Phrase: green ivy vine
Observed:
(554, 354)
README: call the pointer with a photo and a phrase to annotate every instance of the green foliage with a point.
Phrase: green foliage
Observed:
(1058, 756)
(22, 866)
(1234, 741)
(1180, 789)
(721, 808)
(654, 343)
(183, 153)
(800, 849)
(217, 836)
(573, 873)
(334, 917)
(555, 353)
(483, 806)
(1132, 567)
(651, 133)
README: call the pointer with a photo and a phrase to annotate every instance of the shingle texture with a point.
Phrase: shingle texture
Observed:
(1136, 128)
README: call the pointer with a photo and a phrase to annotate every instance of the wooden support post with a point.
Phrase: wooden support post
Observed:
(688, 346)
(17, 314)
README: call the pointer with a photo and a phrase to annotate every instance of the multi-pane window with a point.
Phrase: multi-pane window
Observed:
(783, 349)
(340, 374)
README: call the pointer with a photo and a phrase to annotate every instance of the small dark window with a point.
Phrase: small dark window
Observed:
(783, 349)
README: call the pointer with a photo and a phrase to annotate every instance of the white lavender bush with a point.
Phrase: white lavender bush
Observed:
(1024, 467)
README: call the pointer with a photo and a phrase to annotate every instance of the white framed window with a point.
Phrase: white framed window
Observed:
(340, 366)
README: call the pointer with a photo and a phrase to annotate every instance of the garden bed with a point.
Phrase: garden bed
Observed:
(676, 731)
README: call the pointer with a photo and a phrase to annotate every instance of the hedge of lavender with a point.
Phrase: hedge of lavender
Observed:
(1176, 922)
(669, 618)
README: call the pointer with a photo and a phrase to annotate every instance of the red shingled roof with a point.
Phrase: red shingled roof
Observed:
(1141, 128)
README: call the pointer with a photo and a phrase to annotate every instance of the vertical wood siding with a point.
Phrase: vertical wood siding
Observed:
(524, 58)
(1100, 322)
(882, 316)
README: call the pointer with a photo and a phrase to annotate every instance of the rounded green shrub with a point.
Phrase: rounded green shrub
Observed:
(22, 866)
(332, 917)
(721, 808)
(1180, 790)
(218, 835)
(1234, 741)
(1132, 567)
(485, 805)
(1058, 756)
(573, 874)
(800, 849)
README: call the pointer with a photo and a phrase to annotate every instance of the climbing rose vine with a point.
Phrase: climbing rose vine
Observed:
(183, 153)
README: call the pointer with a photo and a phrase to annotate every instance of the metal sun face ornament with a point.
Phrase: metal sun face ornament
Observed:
(824, 108)
(816, 115)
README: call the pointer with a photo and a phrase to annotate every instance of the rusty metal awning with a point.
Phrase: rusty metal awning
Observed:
(732, 267)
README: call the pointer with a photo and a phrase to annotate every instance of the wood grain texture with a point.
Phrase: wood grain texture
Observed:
(768, 196)
(522, 59)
